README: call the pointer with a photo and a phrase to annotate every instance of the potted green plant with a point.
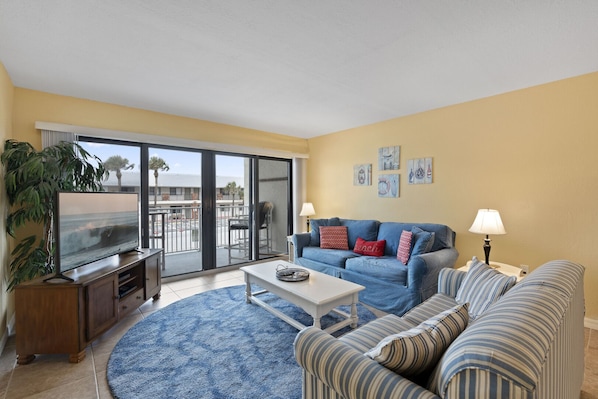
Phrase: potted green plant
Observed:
(32, 179)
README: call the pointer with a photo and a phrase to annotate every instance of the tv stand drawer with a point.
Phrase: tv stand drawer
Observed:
(130, 303)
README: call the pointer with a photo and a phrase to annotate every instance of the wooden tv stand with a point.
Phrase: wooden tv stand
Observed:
(58, 316)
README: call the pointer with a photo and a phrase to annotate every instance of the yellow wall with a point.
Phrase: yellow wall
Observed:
(531, 154)
(31, 106)
(6, 107)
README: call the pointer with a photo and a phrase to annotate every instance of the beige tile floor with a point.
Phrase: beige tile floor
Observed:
(51, 376)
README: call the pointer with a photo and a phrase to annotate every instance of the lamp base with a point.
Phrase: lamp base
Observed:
(487, 249)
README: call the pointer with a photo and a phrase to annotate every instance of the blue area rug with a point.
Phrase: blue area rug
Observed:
(213, 346)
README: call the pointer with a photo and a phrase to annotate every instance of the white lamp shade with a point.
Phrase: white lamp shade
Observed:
(307, 209)
(488, 221)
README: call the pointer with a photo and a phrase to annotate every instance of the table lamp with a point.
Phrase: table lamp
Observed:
(487, 222)
(307, 210)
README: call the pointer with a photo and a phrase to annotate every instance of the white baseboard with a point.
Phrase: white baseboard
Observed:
(590, 323)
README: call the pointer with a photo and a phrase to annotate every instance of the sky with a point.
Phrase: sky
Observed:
(184, 162)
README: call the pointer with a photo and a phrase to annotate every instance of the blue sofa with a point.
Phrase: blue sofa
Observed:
(390, 285)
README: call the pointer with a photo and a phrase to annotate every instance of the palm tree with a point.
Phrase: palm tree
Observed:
(117, 163)
(232, 189)
(156, 164)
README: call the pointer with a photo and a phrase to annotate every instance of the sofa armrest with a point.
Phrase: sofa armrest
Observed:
(300, 241)
(348, 371)
(423, 270)
(449, 281)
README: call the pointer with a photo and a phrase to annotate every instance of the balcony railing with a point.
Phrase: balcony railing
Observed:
(178, 229)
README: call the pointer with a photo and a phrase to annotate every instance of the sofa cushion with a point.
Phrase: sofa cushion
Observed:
(404, 251)
(386, 268)
(423, 241)
(432, 306)
(482, 286)
(370, 334)
(315, 229)
(391, 232)
(417, 350)
(370, 248)
(333, 237)
(332, 257)
(366, 229)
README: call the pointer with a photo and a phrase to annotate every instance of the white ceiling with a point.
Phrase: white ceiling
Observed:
(300, 68)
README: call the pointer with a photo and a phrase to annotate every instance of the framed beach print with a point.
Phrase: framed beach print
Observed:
(362, 175)
(389, 158)
(388, 186)
(420, 171)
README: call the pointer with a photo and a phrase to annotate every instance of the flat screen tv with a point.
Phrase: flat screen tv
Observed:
(93, 226)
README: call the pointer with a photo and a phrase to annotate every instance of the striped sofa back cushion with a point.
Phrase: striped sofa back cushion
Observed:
(512, 339)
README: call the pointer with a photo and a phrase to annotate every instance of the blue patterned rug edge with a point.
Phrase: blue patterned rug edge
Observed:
(188, 349)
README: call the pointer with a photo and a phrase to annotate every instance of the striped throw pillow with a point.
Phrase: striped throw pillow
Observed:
(334, 237)
(482, 286)
(404, 251)
(417, 350)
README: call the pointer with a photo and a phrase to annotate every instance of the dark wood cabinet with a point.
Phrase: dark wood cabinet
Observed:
(102, 305)
(58, 316)
(153, 277)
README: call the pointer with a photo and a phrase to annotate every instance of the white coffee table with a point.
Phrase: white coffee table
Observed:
(319, 295)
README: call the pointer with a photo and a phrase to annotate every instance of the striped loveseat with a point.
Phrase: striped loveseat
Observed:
(528, 344)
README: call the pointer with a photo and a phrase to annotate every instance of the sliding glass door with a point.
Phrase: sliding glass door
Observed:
(205, 209)
(233, 214)
(174, 207)
(258, 223)
(274, 198)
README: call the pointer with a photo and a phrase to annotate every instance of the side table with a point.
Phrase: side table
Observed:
(503, 268)
(291, 247)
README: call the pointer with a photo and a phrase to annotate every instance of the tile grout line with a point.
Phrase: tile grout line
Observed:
(95, 372)
(12, 372)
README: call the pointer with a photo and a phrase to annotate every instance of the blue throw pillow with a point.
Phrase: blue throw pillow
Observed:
(423, 241)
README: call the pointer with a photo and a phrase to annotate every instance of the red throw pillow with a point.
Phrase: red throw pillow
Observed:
(370, 248)
(334, 237)
(404, 251)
